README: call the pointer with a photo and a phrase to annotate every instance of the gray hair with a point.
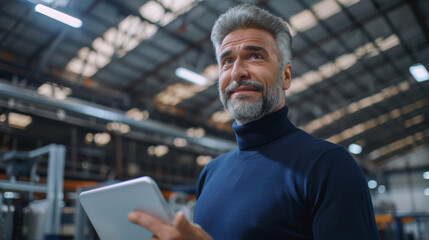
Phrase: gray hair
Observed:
(250, 16)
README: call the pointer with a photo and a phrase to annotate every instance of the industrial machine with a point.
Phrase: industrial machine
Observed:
(22, 216)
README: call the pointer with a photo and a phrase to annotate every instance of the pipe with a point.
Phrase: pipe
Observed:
(110, 114)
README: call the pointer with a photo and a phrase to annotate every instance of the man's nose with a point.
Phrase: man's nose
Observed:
(239, 71)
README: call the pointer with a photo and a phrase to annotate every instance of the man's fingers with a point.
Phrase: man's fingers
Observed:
(154, 238)
(180, 222)
(190, 230)
(153, 224)
(181, 229)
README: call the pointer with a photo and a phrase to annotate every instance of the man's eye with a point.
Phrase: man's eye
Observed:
(256, 56)
(227, 61)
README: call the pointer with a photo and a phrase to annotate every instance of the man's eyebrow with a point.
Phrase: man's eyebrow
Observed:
(248, 47)
(224, 54)
(255, 48)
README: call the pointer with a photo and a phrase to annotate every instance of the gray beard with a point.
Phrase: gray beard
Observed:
(243, 109)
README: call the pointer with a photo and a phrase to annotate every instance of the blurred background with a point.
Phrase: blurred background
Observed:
(95, 92)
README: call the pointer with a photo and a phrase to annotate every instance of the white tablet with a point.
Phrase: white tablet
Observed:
(107, 208)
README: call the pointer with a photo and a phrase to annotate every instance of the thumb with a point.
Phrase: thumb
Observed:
(180, 222)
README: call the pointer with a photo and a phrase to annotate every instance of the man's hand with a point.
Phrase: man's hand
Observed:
(181, 229)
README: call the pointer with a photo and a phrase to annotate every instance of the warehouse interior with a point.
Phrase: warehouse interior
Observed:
(104, 101)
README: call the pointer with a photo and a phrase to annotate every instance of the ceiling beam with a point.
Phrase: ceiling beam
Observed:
(344, 30)
(419, 17)
(132, 86)
(14, 26)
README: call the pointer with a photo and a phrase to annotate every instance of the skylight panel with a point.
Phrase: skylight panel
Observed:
(128, 34)
(341, 63)
(303, 21)
(359, 105)
(152, 11)
(326, 8)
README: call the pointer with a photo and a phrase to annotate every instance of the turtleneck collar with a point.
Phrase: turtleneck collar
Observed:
(263, 130)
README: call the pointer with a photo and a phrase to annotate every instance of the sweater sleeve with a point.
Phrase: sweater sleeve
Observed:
(340, 199)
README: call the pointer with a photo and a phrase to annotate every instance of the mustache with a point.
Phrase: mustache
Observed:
(235, 85)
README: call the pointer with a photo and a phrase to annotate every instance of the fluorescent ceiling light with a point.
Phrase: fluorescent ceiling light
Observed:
(426, 175)
(190, 76)
(59, 16)
(102, 139)
(174, 94)
(372, 184)
(89, 137)
(355, 148)
(203, 160)
(419, 72)
(180, 142)
(195, 132)
(381, 189)
(118, 127)
(137, 115)
(221, 116)
(53, 90)
(158, 151)
(16, 120)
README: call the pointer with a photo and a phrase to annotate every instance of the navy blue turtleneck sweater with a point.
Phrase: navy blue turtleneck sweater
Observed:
(282, 183)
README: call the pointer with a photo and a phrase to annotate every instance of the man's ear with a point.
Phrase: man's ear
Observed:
(286, 76)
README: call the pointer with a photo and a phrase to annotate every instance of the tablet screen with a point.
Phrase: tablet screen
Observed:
(107, 208)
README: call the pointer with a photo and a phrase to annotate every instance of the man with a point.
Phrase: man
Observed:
(280, 183)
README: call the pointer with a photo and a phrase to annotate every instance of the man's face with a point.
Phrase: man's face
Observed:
(251, 83)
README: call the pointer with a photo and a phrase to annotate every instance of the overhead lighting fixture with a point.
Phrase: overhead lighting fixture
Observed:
(195, 132)
(426, 175)
(372, 184)
(221, 116)
(180, 142)
(355, 148)
(53, 90)
(59, 16)
(419, 72)
(102, 139)
(381, 189)
(118, 127)
(203, 160)
(89, 137)
(158, 151)
(136, 114)
(178, 92)
(190, 76)
(16, 120)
